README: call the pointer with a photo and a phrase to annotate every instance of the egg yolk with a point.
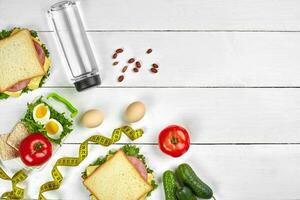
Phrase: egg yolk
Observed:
(41, 111)
(51, 127)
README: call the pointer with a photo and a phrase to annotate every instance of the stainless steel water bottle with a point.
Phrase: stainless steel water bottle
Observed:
(75, 45)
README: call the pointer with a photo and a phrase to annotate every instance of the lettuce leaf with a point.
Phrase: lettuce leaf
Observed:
(5, 33)
(3, 96)
(34, 126)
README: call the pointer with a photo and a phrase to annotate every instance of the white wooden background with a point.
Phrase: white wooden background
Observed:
(229, 73)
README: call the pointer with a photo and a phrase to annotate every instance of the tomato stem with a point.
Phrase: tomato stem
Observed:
(174, 140)
(38, 146)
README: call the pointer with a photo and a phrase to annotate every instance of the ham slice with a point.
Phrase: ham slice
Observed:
(139, 165)
(19, 86)
(40, 52)
(22, 84)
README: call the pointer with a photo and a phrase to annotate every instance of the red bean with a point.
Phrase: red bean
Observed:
(121, 78)
(154, 65)
(153, 70)
(131, 60)
(149, 51)
(114, 56)
(120, 50)
(138, 64)
(124, 69)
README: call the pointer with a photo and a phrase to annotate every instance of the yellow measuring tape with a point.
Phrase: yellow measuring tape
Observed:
(83, 152)
(16, 193)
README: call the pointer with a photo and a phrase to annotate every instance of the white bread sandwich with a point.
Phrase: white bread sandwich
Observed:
(121, 175)
(24, 62)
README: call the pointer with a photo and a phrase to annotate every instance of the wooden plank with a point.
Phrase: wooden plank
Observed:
(212, 115)
(166, 15)
(192, 59)
(234, 172)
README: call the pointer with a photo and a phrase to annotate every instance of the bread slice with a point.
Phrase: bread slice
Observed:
(6, 151)
(117, 179)
(17, 135)
(18, 60)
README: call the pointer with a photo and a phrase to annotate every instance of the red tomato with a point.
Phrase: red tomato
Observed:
(35, 150)
(174, 140)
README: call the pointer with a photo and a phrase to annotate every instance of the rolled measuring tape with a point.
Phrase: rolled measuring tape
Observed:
(83, 153)
(17, 192)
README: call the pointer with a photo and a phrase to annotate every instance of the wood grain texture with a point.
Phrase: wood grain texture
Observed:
(211, 115)
(245, 140)
(191, 59)
(234, 172)
(164, 15)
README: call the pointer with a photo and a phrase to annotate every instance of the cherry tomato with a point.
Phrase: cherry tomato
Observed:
(35, 149)
(174, 140)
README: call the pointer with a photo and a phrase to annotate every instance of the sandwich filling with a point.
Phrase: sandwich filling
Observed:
(135, 158)
(33, 83)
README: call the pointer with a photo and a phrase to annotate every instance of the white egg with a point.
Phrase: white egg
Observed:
(41, 113)
(54, 128)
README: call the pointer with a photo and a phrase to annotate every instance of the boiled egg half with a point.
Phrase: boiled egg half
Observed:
(54, 129)
(41, 113)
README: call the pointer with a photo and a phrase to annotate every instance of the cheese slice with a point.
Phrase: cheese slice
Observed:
(13, 94)
(34, 82)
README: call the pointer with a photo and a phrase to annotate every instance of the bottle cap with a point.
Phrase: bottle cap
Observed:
(87, 82)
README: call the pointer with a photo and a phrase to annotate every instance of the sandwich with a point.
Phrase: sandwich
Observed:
(120, 175)
(24, 62)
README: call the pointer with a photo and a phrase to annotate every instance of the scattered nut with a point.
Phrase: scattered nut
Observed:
(131, 60)
(155, 65)
(121, 78)
(124, 69)
(153, 70)
(149, 51)
(115, 55)
(138, 64)
(120, 50)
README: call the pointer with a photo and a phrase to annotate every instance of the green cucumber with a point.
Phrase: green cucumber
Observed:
(170, 185)
(185, 193)
(189, 178)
